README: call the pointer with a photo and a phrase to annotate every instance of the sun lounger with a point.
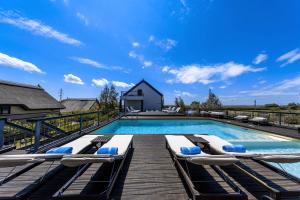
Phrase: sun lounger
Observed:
(259, 120)
(174, 111)
(276, 181)
(242, 118)
(201, 172)
(96, 179)
(27, 181)
(217, 114)
(166, 110)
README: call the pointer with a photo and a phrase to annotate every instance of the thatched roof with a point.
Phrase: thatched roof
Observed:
(30, 97)
(78, 104)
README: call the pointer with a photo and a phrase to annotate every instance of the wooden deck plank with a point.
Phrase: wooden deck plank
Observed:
(150, 173)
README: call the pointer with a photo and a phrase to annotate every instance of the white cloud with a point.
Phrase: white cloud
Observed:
(147, 64)
(260, 58)
(223, 87)
(83, 18)
(262, 82)
(136, 44)
(179, 93)
(100, 82)
(122, 84)
(36, 27)
(141, 59)
(289, 57)
(285, 87)
(206, 74)
(165, 69)
(70, 78)
(18, 64)
(166, 44)
(88, 61)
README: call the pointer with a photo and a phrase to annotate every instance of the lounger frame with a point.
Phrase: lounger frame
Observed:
(274, 194)
(208, 196)
(103, 195)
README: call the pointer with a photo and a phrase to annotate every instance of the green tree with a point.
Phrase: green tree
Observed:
(293, 106)
(195, 105)
(181, 104)
(108, 98)
(176, 102)
(212, 103)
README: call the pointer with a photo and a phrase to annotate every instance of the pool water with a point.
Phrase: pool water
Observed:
(253, 140)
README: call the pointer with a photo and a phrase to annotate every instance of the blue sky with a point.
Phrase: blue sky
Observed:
(242, 49)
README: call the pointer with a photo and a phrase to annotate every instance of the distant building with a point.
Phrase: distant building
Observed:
(19, 101)
(80, 104)
(142, 96)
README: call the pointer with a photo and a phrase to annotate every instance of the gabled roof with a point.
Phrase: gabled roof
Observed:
(30, 97)
(78, 104)
(143, 81)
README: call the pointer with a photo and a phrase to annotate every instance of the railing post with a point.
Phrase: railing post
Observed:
(98, 117)
(80, 123)
(37, 134)
(2, 125)
(280, 119)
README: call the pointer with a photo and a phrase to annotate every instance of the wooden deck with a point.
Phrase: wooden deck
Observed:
(149, 173)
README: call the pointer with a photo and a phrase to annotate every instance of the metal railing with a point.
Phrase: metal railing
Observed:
(29, 134)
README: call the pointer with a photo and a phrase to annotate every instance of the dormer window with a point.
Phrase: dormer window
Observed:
(140, 92)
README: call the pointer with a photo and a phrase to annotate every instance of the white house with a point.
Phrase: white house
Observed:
(142, 96)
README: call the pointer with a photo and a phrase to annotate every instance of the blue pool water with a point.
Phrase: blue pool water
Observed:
(253, 140)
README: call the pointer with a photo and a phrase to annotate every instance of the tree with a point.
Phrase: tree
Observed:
(293, 106)
(195, 105)
(181, 104)
(108, 98)
(212, 103)
(176, 102)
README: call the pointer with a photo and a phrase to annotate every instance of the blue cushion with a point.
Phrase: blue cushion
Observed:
(60, 150)
(234, 148)
(108, 150)
(190, 150)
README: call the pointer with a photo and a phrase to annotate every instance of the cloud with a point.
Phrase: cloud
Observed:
(141, 59)
(260, 58)
(165, 69)
(165, 44)
(122, 84)
(136, 44)
(36, 27)
(100, 82)
(70, 78)
(179, 93)
(285, 87)
(88, 61)
(18, 64)
(206, 74)
(82, 18)
(223, 87)
(289, 57)
(147, 64)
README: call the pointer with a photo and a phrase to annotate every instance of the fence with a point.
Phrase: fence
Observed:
(285, 119)
(31, 133)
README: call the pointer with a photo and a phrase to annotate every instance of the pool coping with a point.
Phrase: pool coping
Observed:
(281, 131)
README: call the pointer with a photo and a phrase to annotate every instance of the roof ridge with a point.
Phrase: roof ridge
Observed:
(4, 82)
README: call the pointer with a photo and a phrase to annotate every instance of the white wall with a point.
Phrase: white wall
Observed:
(152, 100)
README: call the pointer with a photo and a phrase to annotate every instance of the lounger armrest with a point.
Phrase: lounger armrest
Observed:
(75, 162)
(13, 162)
(279, 158)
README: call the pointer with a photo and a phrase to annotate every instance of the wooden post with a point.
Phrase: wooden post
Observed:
(2, 125)
(37, 134)
(98, 117)
(80, 123)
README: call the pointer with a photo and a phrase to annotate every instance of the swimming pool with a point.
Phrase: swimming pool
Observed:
(253, 140)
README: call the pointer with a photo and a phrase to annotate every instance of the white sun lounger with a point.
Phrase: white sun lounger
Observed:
(216, 144)
(78, 145)
(175, 142)
(259, 120)
(241, 117)
(122, 142)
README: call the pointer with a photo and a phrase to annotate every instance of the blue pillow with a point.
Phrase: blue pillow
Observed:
(234, 148)
(190, 150)
(108, 150)
(60, 150)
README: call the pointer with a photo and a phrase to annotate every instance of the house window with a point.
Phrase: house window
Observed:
(4, 110)
(140, 92)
